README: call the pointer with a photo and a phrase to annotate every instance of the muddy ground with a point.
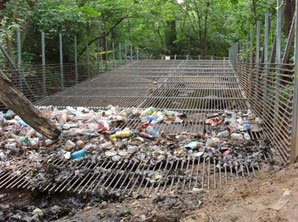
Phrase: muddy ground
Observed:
(272, 196)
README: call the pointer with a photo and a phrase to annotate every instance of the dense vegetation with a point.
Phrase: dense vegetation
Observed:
(183, 27)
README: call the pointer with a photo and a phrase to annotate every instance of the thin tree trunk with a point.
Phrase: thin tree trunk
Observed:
(206, 29)
(290, 43)
(18, 103)
(254, 11)
(289, 12)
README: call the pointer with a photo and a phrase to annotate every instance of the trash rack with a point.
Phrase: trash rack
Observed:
(152, 126)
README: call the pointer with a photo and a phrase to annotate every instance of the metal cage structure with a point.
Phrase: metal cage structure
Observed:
(270, 83)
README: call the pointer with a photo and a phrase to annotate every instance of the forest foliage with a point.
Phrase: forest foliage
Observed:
(156, 27)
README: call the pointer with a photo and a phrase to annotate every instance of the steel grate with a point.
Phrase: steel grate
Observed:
(177, 85)
(194, 87)
(106, 177)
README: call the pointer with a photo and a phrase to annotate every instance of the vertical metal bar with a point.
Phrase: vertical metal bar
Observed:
(120, 54)
(43, 63)
(61, 60)
(113, 48)
(106, 53)
(278, 60)
(250, 62)
(19, 48)
(266, 49)
(137, 53)
(236, 52)
(19, 56)
(88, 49)
(294, 137)
(76, 59)
(278, 31)
(131, 54)
(125, 52)
(97, 56)
(257, 58)
(266, 56)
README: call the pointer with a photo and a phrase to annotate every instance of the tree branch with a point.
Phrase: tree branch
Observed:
(105, 34)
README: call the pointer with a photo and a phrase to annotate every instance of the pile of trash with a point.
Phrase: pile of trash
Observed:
(102, 134)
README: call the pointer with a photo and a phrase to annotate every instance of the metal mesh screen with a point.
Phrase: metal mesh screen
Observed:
(269, 89)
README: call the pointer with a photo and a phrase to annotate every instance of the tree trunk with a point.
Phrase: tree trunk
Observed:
(254, 11)
(205, 42)
(290, 43)
(289, 12)
(18, 103)
(170, 37)
(2, 4)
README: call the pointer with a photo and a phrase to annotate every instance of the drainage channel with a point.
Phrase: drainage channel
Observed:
(196, 88)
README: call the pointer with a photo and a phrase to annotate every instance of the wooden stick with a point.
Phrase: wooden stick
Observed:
(18, 103)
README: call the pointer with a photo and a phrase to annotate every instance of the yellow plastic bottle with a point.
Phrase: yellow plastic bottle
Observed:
(123, 134)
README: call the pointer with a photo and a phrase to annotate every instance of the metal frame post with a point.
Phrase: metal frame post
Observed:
(278, 60)
(250, 62)
(266, 56)
(106, 53)
(19, 56)
(294, 137)
(257, 58)
(88, 56)
(113, 52)
(131, 54)
(61, 60)
(120, 54)
(137, 53)
(19, 48)
(97, 56)
(125, 52)
(43, 62)
(76, 59)
(236, 52)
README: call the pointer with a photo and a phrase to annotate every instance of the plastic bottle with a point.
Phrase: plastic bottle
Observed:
(143, 126)
(151, 119)
(192, 145)
(48, 142)
(9, 115)
(223, 134)
(246, 136)
(152, 131)
(21, 123)
(125, 134)
(104, 146)
(146, 136)
(148, 112)
(69, 145)
(248, 126)
(236, 136)
(78, 154)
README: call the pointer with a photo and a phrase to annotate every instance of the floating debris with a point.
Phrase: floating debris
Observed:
(96, 135)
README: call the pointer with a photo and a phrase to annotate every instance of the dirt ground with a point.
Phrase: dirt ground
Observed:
(272, 196)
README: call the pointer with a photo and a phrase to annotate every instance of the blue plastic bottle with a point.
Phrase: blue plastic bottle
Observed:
(78, 154)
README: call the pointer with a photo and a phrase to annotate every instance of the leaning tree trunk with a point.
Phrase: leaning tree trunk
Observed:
(18, 103)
